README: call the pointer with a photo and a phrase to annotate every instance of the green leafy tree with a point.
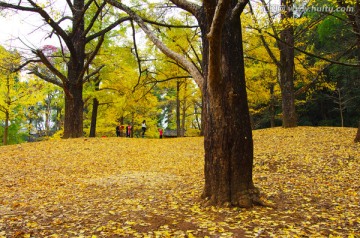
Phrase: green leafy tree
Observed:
(12, 92)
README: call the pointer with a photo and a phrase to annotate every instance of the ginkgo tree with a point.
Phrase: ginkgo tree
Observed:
(13, 93)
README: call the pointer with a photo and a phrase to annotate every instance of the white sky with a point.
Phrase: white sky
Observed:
(20, 28)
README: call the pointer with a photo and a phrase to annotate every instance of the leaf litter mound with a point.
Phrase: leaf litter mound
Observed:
(121, 187)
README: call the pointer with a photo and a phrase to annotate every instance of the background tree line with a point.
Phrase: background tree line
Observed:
(325, 84)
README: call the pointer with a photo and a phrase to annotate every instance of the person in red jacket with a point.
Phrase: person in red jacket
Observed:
(161, 132)
(128, 130)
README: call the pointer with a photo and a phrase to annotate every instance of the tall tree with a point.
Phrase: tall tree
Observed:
(77, 58)
(286, 69)
(11, 90)
(228, 136)
(285, 63)
(354, 20)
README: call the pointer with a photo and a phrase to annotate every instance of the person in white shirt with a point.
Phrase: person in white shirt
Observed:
(143, 127)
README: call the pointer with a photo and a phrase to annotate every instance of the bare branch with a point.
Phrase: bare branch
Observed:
(91, 57)
(262, 38)
(238, 9)
(316, 56)
(70, 5)
(47, 63)
(107, 29)
(190, 7)
(24, 65)
(136, 55)
(167, 25)
(46, 78)
(87, 78)
(94, 18)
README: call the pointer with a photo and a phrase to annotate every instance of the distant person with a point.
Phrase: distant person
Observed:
(122, 127)
(161, 133)
(143, 128)
(128, 130)
(118, 130)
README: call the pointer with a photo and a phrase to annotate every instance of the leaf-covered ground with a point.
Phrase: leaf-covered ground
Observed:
(121, 187)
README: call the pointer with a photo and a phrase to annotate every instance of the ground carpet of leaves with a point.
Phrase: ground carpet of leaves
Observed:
(121, 187)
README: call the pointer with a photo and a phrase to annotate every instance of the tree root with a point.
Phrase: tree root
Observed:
(246, 199)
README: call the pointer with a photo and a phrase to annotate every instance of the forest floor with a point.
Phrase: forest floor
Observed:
(121, 187)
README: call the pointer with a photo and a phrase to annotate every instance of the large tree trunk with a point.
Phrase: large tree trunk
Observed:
(228, 135)
(74, 107)
(286, 44)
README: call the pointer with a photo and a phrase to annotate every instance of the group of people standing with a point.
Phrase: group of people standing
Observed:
(128, 130)
(120, 128)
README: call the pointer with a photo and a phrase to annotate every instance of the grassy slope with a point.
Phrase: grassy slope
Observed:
(110, 187)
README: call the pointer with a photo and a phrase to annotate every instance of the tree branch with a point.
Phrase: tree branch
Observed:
(167, 25)
(94, 18)
(315, 56)
(262, 38)
(107, 29)
(238, 9)
(87, 77)
(91, 57)
(198, 77)
(47, 63)
(136, 55)
(25, 64)
(190, 7)
(46, 78)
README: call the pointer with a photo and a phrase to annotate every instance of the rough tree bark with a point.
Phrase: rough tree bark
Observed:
(286, 70)
(228, 136)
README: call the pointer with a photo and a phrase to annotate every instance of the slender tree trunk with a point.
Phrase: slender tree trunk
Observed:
(287, 68)
(183, 118)
(228, 135)
(6, 129)
(272, 106)
(94, 111)
(341, 109)
(7, 113)
(94, 117)
(178, 126)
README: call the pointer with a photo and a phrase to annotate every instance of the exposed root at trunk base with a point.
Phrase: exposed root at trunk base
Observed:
(246, 199)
